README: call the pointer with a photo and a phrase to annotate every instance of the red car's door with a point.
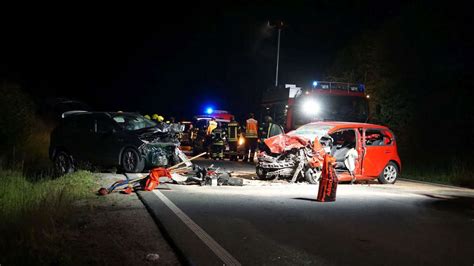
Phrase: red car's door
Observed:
(378, 151)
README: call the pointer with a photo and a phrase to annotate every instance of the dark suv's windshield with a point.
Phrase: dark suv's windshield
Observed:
(133, 121)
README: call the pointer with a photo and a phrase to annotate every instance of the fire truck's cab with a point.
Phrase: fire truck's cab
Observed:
(323, 101)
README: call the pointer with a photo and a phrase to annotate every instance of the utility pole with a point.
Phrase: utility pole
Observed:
(278, 58)
(279, 25)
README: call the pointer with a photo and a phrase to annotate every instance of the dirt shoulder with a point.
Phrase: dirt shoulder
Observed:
(116, 230)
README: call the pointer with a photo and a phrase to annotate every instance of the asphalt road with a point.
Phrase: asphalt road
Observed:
(264, 223)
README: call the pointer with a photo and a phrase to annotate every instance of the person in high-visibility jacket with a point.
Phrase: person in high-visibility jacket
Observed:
(212, 125)
(251, 135)
(233, 132)
(265, 127)
(208, 139)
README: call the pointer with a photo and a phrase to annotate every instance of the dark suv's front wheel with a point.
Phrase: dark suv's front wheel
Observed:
(131, 161)
(63, 163)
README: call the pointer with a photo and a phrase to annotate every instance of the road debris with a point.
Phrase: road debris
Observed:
(152, 257)
(127, 182)
(210, 176)
(149, 182)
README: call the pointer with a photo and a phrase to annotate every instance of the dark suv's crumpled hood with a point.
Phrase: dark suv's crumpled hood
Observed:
(163, 132)
(149, 131)
(161, 144)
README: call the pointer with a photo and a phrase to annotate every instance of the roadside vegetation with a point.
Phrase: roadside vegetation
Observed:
(34, 204)
(34, 215)
(457, 171)
(24, 135)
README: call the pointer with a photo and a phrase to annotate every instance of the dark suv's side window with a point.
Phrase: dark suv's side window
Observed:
(84, 123)
(78, 124)
(69, 124)
(104, 125)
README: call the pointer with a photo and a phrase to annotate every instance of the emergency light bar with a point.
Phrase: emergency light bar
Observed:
(349, 87)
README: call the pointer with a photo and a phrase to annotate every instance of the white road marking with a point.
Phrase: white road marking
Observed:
(220, 252)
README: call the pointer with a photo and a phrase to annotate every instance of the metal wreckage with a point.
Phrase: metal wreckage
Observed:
(160, 148)
(296, 158)
(160, 145)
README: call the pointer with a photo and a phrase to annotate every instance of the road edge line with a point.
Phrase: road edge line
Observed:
(432, 183)
(218, 250)
(182, 258)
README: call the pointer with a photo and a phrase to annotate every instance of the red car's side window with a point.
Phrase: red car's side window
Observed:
(376, 137)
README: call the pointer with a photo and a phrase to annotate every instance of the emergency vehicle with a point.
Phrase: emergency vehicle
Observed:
(323, 101)
(198, 132)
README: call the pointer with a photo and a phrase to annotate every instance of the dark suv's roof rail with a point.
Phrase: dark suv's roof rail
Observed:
(68, 113)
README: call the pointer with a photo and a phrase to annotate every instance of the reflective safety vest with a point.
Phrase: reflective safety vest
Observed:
(265, 130)
(251, 131)
(233, 131)
(217, 137)
(211, 127)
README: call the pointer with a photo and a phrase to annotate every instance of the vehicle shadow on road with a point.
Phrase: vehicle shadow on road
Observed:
(306, 199)
(457, 204)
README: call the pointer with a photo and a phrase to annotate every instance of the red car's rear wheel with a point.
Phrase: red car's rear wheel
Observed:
(389, 174)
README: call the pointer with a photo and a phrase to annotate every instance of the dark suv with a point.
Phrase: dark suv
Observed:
(125, 140)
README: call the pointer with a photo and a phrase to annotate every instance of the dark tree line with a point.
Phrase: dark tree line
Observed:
(416, 68)
(17, 116)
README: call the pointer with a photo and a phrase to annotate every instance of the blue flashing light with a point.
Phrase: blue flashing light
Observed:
(209, 110)
(361, 88)
(315, 83)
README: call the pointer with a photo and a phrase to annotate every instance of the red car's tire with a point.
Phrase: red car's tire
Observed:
(261, 173)
(389, 174)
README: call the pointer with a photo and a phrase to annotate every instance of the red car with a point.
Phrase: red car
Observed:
(375, 145)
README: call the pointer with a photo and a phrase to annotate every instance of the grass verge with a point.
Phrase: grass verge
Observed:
(458, 172)
(32, 216)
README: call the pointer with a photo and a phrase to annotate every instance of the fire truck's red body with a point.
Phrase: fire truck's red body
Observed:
(324, 101)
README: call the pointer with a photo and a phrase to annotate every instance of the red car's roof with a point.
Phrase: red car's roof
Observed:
(338, 125)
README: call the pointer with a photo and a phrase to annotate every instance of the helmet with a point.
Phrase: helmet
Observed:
(158, 118)
(147, 117)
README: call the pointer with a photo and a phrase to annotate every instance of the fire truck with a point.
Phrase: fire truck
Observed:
(293, 106)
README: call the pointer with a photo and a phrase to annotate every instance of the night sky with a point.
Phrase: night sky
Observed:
(175, 60)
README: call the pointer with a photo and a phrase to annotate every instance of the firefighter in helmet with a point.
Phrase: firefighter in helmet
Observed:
(217, 143)
(233, 132)
(251, 135)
